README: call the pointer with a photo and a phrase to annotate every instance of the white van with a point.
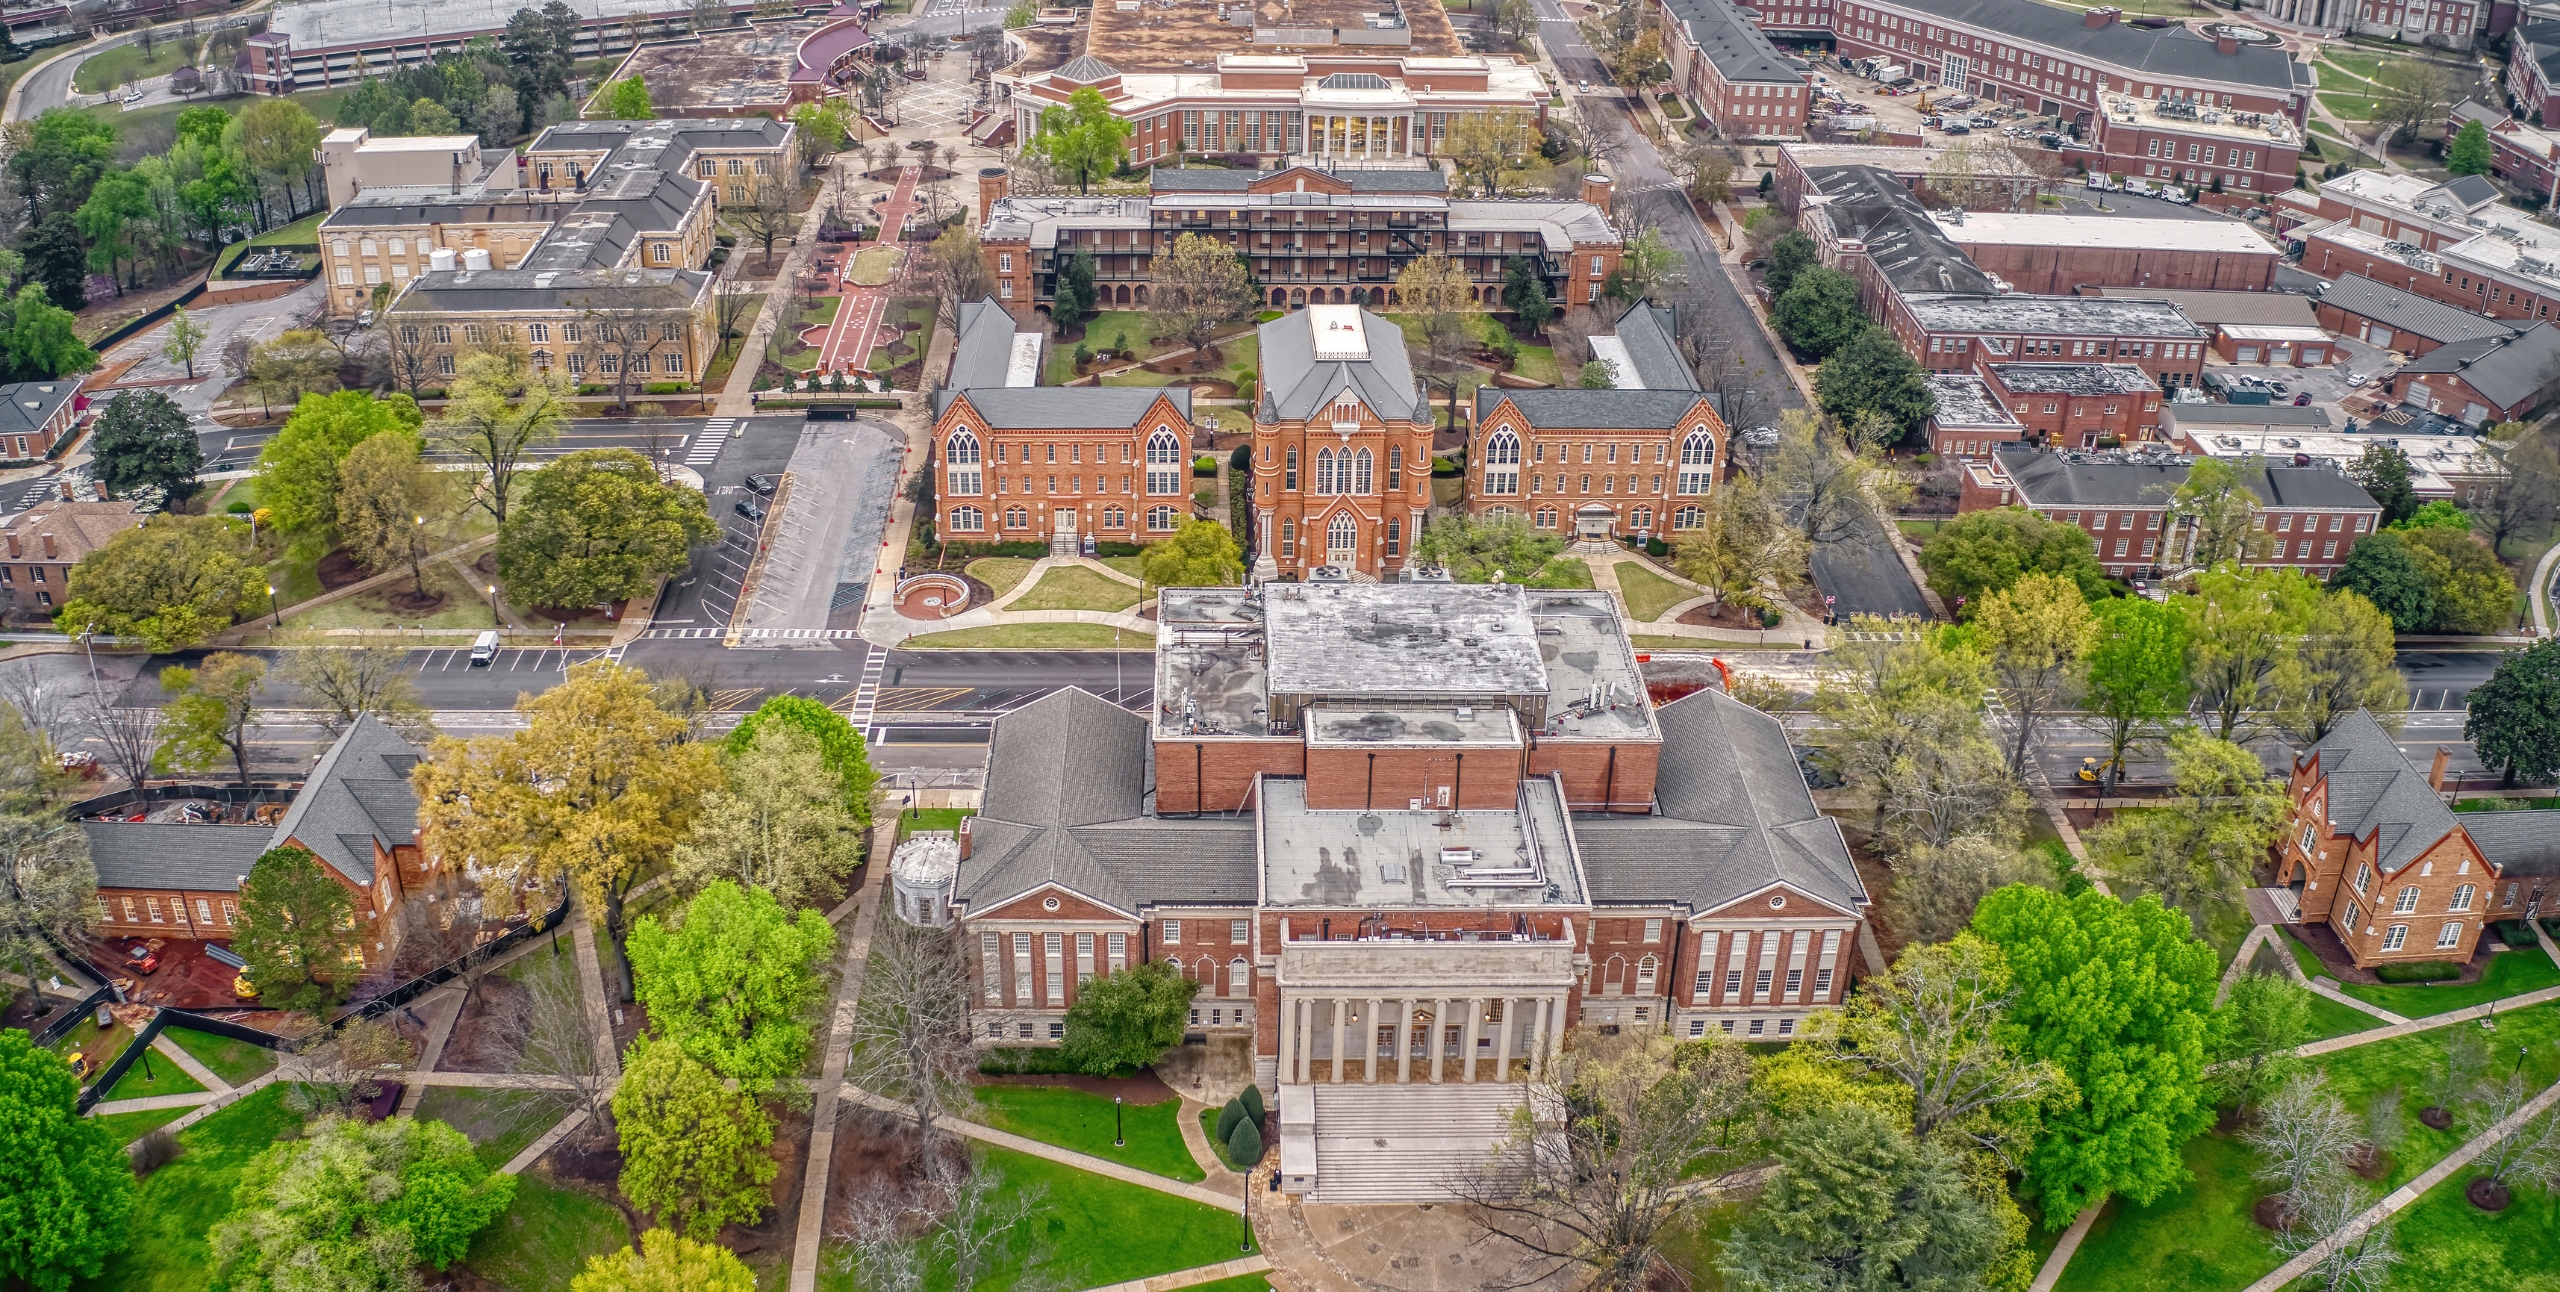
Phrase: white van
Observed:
(485, 650)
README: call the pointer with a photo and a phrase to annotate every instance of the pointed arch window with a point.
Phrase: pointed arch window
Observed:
(960, 457)
(1360, 476)
(1502, 462)
(1324, 471)
(1697, 462)
(1341, 537)
(1164, 462)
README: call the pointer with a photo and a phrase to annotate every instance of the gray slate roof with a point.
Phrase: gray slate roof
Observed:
(2512, 371)
(1296, 385)
(2517, 843)
(1735, 819)
(1647, 331)
(2066, 478)
(2542, 42)
(1913, 253)
(984, 352)
(2407, 312)
(1571, 409)
(1068, 779)
(2318, 485)
(1216, 179)
(1065, 408)
(1732, 42)
(359, 792)
(2167, 52)
(2374, 787)
(29, 404)
(200, 858)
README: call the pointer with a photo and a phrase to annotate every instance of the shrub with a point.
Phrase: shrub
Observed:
(1205, 465)
(1113, 549)
(1241, 459)
(2419, 971)
(2515, 933)
(665, 388)
(1251, 1098)
(1227, 1119)
(1244, 1147)
(1657, 548)
(238, 508)
(156, 1150)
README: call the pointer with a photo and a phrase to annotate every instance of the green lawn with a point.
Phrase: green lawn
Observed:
(1034, 637)
(183, 1200)
(1692, 1247)
(823, 310)
(466, 605)
(1097, 1230)
(499, 1123)
(2347, 106)
(237, 1062)
(1712, 646)
(1102, 332)
(1072, 1119)
(1001, 573)
(1921, 529)
(163, 1077)
(2354, 63)
(546, 1236)
(124, 65)
(2445, 1242)
(2502, 805)
(2510, 973)
(128, 1127)
(1072, 587)
(1649, 594)
(1537, 363)
(302, 232)
(2329, 1018)
(1240, 1283)
(873, 266)
(1234, 352)
(2198, 1237)
(910, 822)
(1133, 566)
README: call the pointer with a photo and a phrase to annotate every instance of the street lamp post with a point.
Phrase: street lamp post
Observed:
(1119, 1139)
(275, 611)
(89, 643)
(493, 607)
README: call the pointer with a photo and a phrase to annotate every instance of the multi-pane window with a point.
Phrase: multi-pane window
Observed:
(991, 968)
(1053, 962)
(1164, 463)
(1084, 957)
(2450, 935)
(960, 461)
(2462, 898)
(2406, 902)
(1021, 968)
(1502, 463)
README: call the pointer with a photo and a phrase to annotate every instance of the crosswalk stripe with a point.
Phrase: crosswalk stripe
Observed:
(866, 695)
(706, 447)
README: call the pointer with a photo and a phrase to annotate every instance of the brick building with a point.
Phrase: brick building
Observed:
(2493, 379)
(2457, 242)
(1404, 835)
(357, 814)
(2533, 69)
(1315, 235)
(1975, 174)
(2307, 516)
(1016, 457)
(1952, 333)
(1738, 81)
(2387, 318)
(35, 415)
(1638, 459)
(1341, 445)
(2373, 853)
(2077, 404)
(2526, 156)
(43, 543)
(1969, 423)
(2057, 255)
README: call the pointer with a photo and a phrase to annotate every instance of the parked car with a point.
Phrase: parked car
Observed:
(2302, 400)
(2176, 197)
(1583, 87)
(752, 509)
(141, 959)
(763, 486)
(1956, 128)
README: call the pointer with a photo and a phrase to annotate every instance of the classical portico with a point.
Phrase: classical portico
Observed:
(1359, 116)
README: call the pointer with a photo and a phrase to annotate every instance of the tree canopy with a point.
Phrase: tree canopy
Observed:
(1082, 137)
(354, 1205)
(1127, 1019)
(2514, 720)
(2385, 572)
(296, 927)
(66, 1191)
(598, 526)
(1473, 550)
(144, 441)
(1858, 1203)
(1872, 373)
(693, 1151)
(840, 746)
(778, 825)
(1819, 311)
(733, 983)
(172, 582)
(1201, 554)
(298, 469)
(666, 1261)
(2468, 152)
(1983, 552)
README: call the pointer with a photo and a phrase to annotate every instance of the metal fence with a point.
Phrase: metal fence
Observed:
(107, 1080)
(459, 965)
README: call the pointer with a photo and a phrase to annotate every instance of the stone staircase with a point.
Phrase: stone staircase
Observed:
(1065, 545)
(1403, 1142)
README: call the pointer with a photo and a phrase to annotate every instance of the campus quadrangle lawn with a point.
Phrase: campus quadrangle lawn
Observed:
(2445, 1242)
(1649, 594)
(1080, 1122)
(2198, 1237)
(2510, 973)
(183, 1200)
(546, 1235)
(237, 1062)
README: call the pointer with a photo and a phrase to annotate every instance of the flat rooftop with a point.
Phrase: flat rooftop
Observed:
(314, 25)
(1401, 639)
(729, 70)
(1981, 161)
(2052, 316)
(2193, 119)
(1403, 858)
(1441, 726)
(1209, 672)
(2073, 378)
(1963, 401)
(1595, 689)
(2102, 233)
(2432, 458)
(1151, 36)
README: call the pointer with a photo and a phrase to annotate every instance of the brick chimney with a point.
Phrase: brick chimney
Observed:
(49, 553)
(2100, 16)
(964, 836)
(2435, 773)
(2225, 44)
(1596, 188)
(993, 184)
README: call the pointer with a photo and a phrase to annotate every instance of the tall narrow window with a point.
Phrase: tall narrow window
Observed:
(1340, 538)
(1359, 482)
(1021, 968)
(960, 458)
(1053, 962)
(1395, 538)
(1084, 957)
(1164, 463)
(1324, 472)
(991, 968)
(1502, 463)
(1395, 467)
(1118, 951)
(1697, 462)
(1289, 470)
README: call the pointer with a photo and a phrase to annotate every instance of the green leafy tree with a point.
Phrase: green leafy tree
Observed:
(629, 101)
(2345, 662)
(1983, 552)
(2514, 722)
(393, 509)
(2257, 1029)
(2035, 632)
(1473, 550)
(1201, 554)
(693, 1151)
(143, 441)
(1649, 267)
(1127, 1019)
(598, 526)
(1790, 255)
(733, 984)
(298, 469)
(186, 336)
(48, 887)
(2136, 680)
(2383, 570)
(1599, 374)
(1074, 299)
(2385, 474)
(1857, 1203)
(840, 746)
(211, 711)
(65, 1187)
(357, 1205)
(172, 582)
(2474, 592)
(428, 117)
(2437, 514)
(1082, 137)
(779, 824)
(2220, 511)
(2227, 811)
(2241, 626)
(2468, 154)
(1872, 373)
(667, 1262)
(1819, 312)
(297, 924)
(42, 341)
(1524, 293)
(2118, 996)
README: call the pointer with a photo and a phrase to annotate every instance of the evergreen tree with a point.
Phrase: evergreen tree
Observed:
(2468, 154)
(1075, 292)
(1873, 373)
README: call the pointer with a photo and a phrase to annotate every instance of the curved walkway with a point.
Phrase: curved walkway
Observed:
(1794, 625)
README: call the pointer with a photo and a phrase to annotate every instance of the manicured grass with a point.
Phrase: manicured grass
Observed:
(2445, 1242)
(1240, 1283)
(1133, 566)
(1101, 1231)
(1102, 332)
(2348, 107)
(162, 1077)
(183, 1200)
(1082, 1123)
(302, 232)
(1563, 572)
(546, 1235)
(873, 266)
(2510, 973)
(465, 605)
(1034, 637)
(128, 1127)
(1649, 594)
(1537, 363)
(499, 1123)
(1072, 587)
(1001, 573)
(926, 819)
(1692, 1248)
(2303, 959)
(2357, 1074)
(824, 309)
(125, 64)
(237, 1062)
(2353, 63)
(2329, 1018)
(1209, 1131)
(1918, 528)
(2503, 805)
(2196, 1237)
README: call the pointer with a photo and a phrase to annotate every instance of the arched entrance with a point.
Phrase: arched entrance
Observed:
(1595, 521)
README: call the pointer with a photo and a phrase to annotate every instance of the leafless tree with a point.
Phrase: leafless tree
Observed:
(627, 323)
(2351, 1258)
(877, 1241)
(2456, 1076)
(340, 1070)
(733, 305)
(404, 350)
(50, 707)
(1933, 1024)
(344, 681)
(555, 1038)
(1724, 367)
(2302, 1136)
(2524, 500)
(768, 215)
(911, 1027)
(2530, 1147)
(1607, 1162)
(128, 738)
(956, 1216)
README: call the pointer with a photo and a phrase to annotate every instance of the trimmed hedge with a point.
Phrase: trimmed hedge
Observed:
(1244, 1147)
(2419, 971)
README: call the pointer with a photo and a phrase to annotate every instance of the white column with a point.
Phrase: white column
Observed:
(1538, 1037)
(1467, 1043)
(1404, 1040)
(1304, 1010)
(1502, 1042)
(1369, 1029)
(1288, 1035)
(1439, 1034)
(1341, 1015)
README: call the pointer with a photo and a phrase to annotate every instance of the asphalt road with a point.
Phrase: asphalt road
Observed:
(1861, 574)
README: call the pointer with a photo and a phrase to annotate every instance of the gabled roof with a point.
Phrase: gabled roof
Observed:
(2374, 788)
(1065, 408)
(2408, 312)
(359, 793)
(2169, 51)
(1065, 805)
(1298, 385)
(1569, 409)
(1735, 818)
(1646, 332)
(196, 858)
(1086, 70)
(2066, 477)
(1728, 38)
(2517, 843)
(984, 351)
(1871, 206)
(2511, 372)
